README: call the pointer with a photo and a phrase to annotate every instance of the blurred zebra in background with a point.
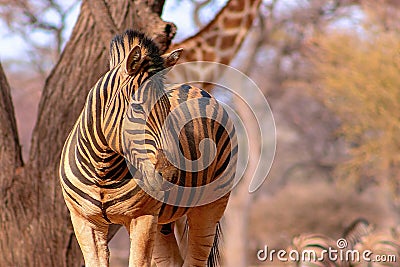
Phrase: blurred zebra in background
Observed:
(359, 237)
(356, 231)
(383, 245)
(313, 250)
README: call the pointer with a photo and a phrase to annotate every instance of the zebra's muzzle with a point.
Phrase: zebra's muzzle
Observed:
(168, 172)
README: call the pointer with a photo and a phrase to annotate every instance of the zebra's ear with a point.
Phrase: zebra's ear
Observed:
(132, 62)
(171, 58)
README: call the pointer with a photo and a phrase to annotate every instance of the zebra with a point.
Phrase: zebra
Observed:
(354, 233)
(313, 251)
(110, 177)
(362, 237)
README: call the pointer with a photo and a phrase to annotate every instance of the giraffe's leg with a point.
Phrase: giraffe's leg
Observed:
(92, 241)
(142, 233)
(166, 250)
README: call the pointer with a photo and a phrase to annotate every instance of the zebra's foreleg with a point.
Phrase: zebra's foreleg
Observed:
(142, 233)
(166, 250)
(92, 241)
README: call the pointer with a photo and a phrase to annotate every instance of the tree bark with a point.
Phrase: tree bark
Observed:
(10, 172)
(35, 224)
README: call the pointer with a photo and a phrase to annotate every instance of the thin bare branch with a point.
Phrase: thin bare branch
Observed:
(196, 12)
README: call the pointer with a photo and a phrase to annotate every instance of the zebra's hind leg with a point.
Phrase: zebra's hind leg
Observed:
(166, 250)
(142, 233)
(200, 242)
(92, 241)
(202, 230)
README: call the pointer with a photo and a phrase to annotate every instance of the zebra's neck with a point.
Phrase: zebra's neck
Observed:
(110, 108)
(107, 107)
(97, 137)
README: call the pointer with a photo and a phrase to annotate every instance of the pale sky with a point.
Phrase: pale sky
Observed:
(13, 47)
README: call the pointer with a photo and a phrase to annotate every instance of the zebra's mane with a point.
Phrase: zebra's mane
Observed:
(122, 44)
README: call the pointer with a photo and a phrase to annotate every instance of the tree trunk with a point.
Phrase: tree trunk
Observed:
(35, 228)
(237, 215)
(10, 172)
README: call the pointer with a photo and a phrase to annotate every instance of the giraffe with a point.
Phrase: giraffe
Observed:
(218, 42)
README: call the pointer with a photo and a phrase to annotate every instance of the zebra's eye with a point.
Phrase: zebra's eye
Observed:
(137, 107)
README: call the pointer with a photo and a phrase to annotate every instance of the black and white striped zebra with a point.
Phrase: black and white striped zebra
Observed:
(116, 162)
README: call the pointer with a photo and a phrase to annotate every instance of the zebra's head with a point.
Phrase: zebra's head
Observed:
(137, 58)
(140, 68)
(136, 76)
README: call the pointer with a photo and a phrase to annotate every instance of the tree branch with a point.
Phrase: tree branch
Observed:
(147, 19)
(105, 24)
(196, 12)
(10, 163)
(10, 148)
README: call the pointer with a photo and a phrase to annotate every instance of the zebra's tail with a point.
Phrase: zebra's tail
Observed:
(215, 257)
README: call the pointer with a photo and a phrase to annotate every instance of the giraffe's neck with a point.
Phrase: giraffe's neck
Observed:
(220, 40)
